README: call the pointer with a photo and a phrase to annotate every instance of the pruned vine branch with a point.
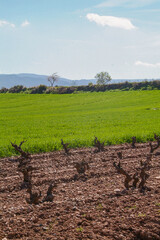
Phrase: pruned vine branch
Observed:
(153, 148)
(49, 196)
(27, 173)
(65, 146)
(120, 170)
(99, 145)
(81, 167)
(119, 154)
(140, 175)
(34, 196)
(19, 149)
(134, 140)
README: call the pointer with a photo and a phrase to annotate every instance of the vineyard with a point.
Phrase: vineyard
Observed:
(88, 193)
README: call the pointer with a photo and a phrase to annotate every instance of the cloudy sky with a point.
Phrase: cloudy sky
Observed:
(78, 38)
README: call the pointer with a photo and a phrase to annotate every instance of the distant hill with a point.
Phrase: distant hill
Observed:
(31, 80)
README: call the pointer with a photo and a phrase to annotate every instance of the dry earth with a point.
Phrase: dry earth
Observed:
(94, 205)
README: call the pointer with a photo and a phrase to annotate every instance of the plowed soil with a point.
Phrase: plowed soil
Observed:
(94, 205)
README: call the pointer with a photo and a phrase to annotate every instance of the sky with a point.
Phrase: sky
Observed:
(79, 38)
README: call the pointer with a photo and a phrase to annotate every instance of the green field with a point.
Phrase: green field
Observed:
(43, 120)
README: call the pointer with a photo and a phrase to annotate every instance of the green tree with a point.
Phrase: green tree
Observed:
(53, 78)
(103, 78)
(90, 84)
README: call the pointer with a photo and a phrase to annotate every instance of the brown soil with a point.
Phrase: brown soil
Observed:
(94, 205)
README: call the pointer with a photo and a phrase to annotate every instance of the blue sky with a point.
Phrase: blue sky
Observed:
(78, 38)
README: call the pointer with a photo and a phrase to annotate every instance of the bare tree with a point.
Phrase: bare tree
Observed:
(53, 78)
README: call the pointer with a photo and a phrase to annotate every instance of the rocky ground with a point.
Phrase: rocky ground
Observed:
(94, 205)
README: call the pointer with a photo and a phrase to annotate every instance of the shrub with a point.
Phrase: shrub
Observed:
(50, 90)
(3, 90)
(40, 89)
(17, 89)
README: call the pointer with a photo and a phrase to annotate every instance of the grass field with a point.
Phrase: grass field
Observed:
(43, 120)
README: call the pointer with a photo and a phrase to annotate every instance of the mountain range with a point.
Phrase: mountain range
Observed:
(31, 80)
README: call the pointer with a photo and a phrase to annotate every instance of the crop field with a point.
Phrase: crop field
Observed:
(43, 120)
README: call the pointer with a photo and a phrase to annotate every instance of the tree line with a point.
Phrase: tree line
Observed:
(124, 86)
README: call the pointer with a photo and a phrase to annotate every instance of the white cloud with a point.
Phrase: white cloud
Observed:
(144, 64)
(6, 23)
(111, 21)
(25, 23)
(126, 3)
